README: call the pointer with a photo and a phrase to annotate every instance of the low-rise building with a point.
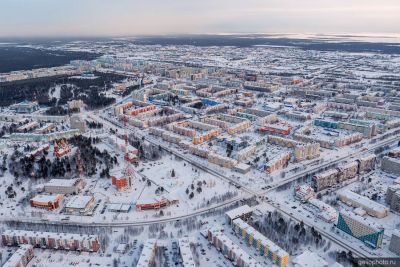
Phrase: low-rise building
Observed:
(80, 204)
(64, 186)
(49, 202)
(25, 107)
(304, 192)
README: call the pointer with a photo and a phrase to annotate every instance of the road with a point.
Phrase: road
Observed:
(355, 250)
(308, 171)
(120, 223)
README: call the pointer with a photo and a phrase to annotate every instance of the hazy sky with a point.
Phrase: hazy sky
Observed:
(132, 17)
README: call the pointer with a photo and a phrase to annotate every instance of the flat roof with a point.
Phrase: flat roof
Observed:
(17, 256)
(78, 202)
(147, 253)
(61, 182)
(236, 249)
(46, 198)
(364, 201)
(186, 252)
(233, 214)
(65, 236)
(309, 259)
(258, 236)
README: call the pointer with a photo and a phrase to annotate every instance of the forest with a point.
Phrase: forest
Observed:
(91, 91)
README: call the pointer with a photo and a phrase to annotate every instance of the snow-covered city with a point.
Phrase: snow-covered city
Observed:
(188, 146)
(166, 155)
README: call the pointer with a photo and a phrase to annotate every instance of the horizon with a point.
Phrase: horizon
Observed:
(123, 18)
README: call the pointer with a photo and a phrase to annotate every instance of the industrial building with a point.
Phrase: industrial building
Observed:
(49, 202)
(355, 200)
(361, 229)
(262, 244)
(64, 186)
(21, 257)
(79, 242)
(147, 257)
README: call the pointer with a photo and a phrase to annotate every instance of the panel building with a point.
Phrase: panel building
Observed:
(371, 207)
(265, 246)
(79, 242)
(21, 257)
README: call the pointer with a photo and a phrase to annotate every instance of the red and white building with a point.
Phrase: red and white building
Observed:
(49, 202)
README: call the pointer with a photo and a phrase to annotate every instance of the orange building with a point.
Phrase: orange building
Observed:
(122, 183)
(279, 128)
(49, 202)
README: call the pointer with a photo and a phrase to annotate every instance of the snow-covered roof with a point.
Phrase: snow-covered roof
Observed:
(119, 206)
(147, 254)
(309, 259)
(46, 198)
(263, 240)
(37, 234)
(363, 201)
(236, 249)
(240, 211)
(186, 252)
(78, 202)
(15, 259)
(61, 182)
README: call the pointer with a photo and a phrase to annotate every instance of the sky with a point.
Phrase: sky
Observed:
(37, 18)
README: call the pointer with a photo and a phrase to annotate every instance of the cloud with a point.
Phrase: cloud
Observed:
(132, 17)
